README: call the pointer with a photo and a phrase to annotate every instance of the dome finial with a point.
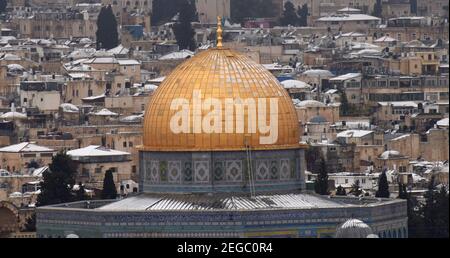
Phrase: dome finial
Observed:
(219, 32)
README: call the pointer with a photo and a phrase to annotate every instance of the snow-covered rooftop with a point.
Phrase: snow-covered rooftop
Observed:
(353, 133)
(182, 54)
(95, 151)
(349, 17)
(345, 77)
(25, 147)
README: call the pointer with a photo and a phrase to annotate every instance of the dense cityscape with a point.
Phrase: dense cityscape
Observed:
(224, 118)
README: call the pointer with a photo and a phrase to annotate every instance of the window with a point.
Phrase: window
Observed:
(130, 144)
(124, 144)
(24, 99)
(133, 169)
(98, 170)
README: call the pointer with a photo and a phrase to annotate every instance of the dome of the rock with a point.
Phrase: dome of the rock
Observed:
(223, 75)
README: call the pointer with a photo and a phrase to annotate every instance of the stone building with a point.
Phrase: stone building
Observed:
(93, 162)
(15, 158)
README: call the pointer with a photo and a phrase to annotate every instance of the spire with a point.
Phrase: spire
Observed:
(219, 32)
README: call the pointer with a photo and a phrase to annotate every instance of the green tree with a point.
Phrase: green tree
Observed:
(249, 9)
(340, 191)
(81, 192)
(58, 181)
(344, 109)
(312, 154)
(164, 10)
(184, 33)
(289, 16)
(435, 212)
(33, 164)
(3, 4)
(383, 186)
(377, 9)
(356, 189)
(302, 13)
(109, 190)
(402, 192)
(321, 183)
(413, 6)
(107, 35)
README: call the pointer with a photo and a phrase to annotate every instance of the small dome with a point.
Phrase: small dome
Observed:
(295, 84)
(318, 120)
(390, 154)
(353, 228)
(310, 103)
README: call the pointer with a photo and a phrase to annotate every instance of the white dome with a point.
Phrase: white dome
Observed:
(295, 84)
(310, 103)
(318, 73)
(390, 154)
(353, 228)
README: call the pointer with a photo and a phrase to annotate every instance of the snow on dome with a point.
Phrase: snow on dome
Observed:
(318, 73)
(69, 108)
(85, 41)
(13, 115)
(310, 103)
(15, 67)
(390, 154)
(353, 228)
(105, 112)
(11, 57)
(131, 119)
(295, 84)
(15, 195)
(442, 122)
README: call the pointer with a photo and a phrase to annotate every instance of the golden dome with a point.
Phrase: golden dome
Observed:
(219, 74)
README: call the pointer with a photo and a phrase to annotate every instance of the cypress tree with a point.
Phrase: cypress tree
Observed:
(344, 109)
(321, 183)
(58, 181)
(107, 35)
(303, 15)
(3, 4)
(289, 16)
(383, 186)
(184, 33)
(356, 189)
(377, 9)
(109, 187)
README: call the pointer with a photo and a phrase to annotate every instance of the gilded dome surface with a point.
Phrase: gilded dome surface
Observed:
(223, 75)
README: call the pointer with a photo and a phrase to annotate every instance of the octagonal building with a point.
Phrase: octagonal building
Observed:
(221, 158)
